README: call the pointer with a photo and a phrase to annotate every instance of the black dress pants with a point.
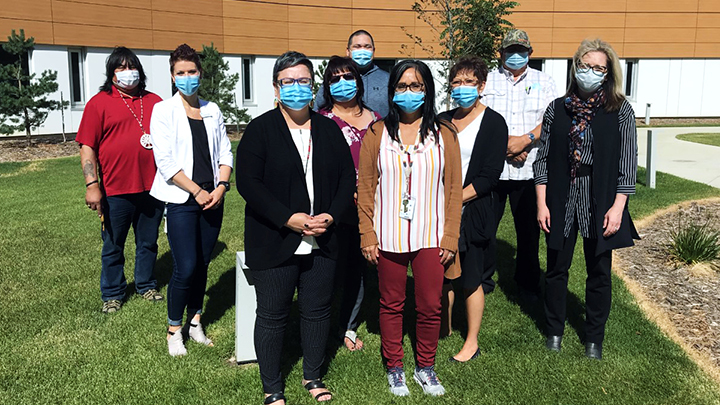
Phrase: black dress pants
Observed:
(312, 275)
(523, 205)
(598, 287)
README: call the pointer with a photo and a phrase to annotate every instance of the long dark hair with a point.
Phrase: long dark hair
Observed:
(430, 119)
(116, 58)
(339, 65)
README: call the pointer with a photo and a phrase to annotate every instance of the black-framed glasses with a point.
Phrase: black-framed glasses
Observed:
(346, 76)
(289, 81)
(466, 82)
(414, 87)
(597, 69)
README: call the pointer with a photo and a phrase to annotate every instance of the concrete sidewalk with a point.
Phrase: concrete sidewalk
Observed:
(689, 160)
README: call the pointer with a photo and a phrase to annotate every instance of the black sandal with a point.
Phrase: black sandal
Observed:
(315, 384)
(278, 396)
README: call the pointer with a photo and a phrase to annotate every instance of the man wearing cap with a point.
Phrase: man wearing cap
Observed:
(361, 48)
(520, 94)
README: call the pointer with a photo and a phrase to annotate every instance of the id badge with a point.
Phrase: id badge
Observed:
(407, 208)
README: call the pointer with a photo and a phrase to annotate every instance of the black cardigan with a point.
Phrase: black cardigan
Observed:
(486, 165)
(605, 170)
(270, 178)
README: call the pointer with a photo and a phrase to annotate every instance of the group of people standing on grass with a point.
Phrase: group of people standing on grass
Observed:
(375, 175)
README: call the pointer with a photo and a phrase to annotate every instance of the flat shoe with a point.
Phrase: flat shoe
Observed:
(278, 396)
(593, 350)
(554, 343)
(315, 384)
(473, 357)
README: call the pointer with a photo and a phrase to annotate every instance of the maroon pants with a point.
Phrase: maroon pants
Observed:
(428, 276)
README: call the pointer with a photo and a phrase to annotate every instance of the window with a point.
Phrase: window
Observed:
(247, 77)
(630, 79)
(537, 64)
(77, 76)
(7, 58)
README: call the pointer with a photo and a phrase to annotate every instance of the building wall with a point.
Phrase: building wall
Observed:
(636, 28)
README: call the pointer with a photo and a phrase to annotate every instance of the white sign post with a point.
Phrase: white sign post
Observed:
(245, 304)
(651, 159)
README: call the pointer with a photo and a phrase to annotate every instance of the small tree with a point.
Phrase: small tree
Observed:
(24, 102)
(219, 87)
(462, 27)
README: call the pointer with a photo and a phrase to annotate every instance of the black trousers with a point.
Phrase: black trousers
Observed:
(352, 268)
(523, 205)
(312, 275)
(598, 287)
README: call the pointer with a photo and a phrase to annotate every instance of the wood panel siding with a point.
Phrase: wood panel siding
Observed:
(319, 28)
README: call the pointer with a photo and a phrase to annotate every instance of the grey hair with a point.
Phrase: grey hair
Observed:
(288, 60)
(613, 81)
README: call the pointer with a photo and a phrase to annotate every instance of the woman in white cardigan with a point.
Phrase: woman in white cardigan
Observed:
(194, 160)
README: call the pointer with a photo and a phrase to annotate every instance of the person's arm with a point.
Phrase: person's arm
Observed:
(453, 204)
(93, 194)
(493, 162)
(540, 170)
(627, 170)
(367, 186)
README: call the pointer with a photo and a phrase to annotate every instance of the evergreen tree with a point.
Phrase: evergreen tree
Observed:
(219, 87)
(24, 102)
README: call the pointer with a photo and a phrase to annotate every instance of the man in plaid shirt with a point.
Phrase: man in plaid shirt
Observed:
(520, 94)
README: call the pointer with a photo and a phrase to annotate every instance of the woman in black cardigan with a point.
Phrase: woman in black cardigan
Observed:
(297, 177)
(584, 171)
(483, 137)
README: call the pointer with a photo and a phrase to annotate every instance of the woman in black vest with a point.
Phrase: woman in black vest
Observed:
(296, 175)
(584, 172)
(483, 137)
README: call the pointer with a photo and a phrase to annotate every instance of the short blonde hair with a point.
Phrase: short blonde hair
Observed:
(613, 81)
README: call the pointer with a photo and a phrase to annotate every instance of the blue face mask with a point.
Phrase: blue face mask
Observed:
(344, 90)
(517, 60)
(295, 97)
(409, 101)
(187, 85)
(465, 96)
(588, 81)
(362, 57)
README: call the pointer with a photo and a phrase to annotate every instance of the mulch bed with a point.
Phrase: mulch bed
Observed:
(18, 151)
(689, 295)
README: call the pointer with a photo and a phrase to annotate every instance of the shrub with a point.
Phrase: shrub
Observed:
(694, 243)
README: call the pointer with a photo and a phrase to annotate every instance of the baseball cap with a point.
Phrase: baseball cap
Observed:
(516, 37)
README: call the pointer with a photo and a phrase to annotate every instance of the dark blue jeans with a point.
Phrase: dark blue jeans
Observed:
(192, 234)
(143, 213)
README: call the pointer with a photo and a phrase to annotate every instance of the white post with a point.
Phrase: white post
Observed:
(647, 113)
(651, 159)
(245, 304)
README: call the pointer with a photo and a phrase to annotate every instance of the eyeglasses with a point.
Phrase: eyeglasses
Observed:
(125, 67)
(414, 87)
(466, 82)
(346, 76)
(289, 81)
(597, 69)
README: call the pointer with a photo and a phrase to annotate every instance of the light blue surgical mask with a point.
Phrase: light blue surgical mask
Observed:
(588, 81)
(409, 101)
(187, 85)
(517, 60)
(344, 90)
(465, 96)
(295, 97)
(362, 57)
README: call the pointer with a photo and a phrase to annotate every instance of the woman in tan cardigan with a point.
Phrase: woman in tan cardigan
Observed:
(409, 203)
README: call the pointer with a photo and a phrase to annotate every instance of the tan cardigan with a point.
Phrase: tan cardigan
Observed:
(368, 181)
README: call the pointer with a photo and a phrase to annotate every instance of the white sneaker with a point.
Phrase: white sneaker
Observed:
(176, 347)
(196, 333)
(429, 381)
(396, 379)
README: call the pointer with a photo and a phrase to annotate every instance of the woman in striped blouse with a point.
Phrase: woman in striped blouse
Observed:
(584, 171)
(409, 202)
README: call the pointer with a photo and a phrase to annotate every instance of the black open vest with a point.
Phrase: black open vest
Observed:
(606, 163)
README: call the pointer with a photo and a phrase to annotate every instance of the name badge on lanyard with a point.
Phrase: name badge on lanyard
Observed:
(407, 203)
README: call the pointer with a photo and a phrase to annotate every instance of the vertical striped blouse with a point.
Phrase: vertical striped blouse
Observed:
(424, 183)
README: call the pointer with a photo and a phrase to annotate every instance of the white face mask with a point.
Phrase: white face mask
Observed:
(127, 79)
(589, 81)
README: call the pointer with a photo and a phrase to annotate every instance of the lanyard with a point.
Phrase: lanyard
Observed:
(307, 157)
(142, 111)
(407, 165)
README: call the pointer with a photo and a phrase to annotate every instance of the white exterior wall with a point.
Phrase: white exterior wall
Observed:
(675, 87)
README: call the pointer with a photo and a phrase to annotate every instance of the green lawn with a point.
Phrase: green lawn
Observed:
(704, 138)
(56, 346)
